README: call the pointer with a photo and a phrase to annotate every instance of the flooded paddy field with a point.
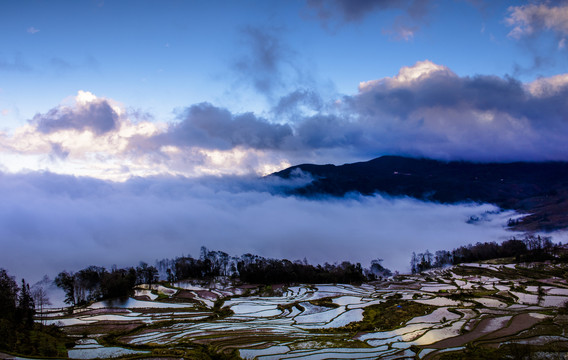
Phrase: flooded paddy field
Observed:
(439, 314)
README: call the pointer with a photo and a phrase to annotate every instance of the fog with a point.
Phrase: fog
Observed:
(50, 223)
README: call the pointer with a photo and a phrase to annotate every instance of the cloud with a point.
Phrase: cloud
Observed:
(57, 222)
(90, 113)
(210, 127)
(425, 110)
(428, 110)
(296, 103)
(531, 19)
(57, 152)
(350, 11)
(265, 59)
(542, 29)
(84, 135)
(32, 30)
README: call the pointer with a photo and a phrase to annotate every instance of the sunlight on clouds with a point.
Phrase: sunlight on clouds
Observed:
(170, 149)
(548, 86)
(239, 161)
(438, 114)
(408, 74)
(85, 97)
(267, 169)
(528, 19)
(86, 153)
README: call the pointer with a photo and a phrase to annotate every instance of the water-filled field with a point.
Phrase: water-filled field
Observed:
(414, 316)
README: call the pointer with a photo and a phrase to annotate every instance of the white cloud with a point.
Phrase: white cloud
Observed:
(32, 30)
(548, 86)
(409, 74)
(529, 19)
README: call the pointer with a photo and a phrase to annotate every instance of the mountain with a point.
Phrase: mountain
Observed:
(539, 189)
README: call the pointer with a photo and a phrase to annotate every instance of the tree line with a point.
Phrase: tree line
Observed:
(531, 248)
(256, 269)
(18, 331)
(96, 283)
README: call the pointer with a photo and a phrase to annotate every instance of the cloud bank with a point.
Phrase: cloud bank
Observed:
(50, 222)
(425, 110)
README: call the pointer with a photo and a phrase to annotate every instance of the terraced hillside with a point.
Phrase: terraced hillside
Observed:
(471, 308)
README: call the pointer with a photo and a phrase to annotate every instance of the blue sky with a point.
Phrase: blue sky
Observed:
(159, 56)
(149, 122)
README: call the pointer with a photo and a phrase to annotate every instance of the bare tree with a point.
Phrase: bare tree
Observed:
(39, 294)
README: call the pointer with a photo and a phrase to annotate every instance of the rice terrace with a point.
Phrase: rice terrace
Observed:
(489, 309)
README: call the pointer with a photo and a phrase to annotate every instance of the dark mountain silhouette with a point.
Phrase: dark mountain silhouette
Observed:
(536, 188)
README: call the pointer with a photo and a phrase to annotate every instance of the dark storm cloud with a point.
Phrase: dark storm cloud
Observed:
(49, 223)
(211, 127)
(98, 117)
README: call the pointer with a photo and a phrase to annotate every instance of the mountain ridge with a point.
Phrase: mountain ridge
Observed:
(538, 189)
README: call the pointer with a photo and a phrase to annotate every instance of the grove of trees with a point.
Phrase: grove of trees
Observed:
(97, 283)
(531, 248)
(257, 269)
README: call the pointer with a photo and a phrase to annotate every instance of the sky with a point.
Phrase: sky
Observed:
(111, 93)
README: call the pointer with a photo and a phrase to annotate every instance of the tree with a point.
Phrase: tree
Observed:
(66, 281)
(8, 295)
(414, 263)
(118, 283)
(25, 310)
(88, 282)
(146, 274)
(379, 270)
(8, 301)
(39, 295)
(442, 258)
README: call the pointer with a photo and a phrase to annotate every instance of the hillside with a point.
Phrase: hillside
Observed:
(536, 188)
